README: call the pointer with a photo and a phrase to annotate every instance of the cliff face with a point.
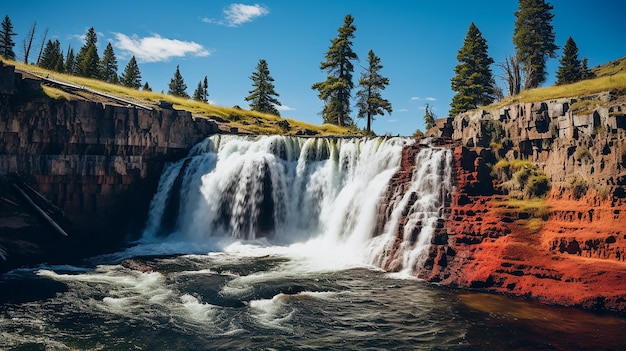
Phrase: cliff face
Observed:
(571, 252)
(99, 163)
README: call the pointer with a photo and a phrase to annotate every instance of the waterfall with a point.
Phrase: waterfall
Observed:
(290, 190)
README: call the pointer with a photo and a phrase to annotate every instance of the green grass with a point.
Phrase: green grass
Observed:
(536, 208)
(245, 120)
(616, 82)
(610, 68)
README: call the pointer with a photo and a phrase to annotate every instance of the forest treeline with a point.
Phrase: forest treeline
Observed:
(473, 82)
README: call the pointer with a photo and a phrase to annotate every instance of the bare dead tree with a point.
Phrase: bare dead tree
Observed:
(530, 76)
(43, 41)
(28, 41)
(511, 74)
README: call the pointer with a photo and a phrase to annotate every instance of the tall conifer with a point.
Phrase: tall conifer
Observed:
(131, 77)
(570, 68)
(263, 96)
(473, 80)
(108, 65)
(370, 101)
(177, 86)
(533, 38)
(6, 39)
(336, 90)
(87, 59)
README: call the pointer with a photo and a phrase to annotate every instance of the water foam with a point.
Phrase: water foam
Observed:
(316, 198)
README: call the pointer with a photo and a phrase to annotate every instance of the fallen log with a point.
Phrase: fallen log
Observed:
(40, 212)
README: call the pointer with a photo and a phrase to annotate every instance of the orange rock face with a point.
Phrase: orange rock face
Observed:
(574, 257)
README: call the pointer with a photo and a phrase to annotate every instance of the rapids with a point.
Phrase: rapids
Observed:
(277, 243)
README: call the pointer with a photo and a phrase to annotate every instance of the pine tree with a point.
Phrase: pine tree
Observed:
(201, 93)
(533, 38)
(429, 117)
(146, 87)
(570, 69)
(177, 86)
(336, 90)
(52, 57)
(70, 61)
(473, 80)
(108, 65)
(131, 77)
(198, 94)
(586, 72)
(27, 43)
(263, 96)
(87, 59)
(6, 40)
(370, 101)
(205, 86)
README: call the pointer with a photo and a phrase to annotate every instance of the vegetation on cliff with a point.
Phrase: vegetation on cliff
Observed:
(244, 121)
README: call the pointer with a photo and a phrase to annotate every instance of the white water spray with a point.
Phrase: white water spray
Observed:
(319, 196)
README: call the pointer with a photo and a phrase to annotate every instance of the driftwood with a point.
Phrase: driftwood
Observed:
(40, 212)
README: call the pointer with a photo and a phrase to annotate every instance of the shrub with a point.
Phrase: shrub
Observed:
(582, 153)
(578, 186)
(538, 185)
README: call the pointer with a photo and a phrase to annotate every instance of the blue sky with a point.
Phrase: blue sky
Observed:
(417, 42)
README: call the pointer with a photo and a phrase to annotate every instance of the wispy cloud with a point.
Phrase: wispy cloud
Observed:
(284, 108)
(238, 14)
(402, 110)
(157, 49)
(428, 98)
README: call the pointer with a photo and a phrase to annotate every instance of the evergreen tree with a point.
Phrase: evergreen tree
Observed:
(197, 94)
(131, 77)
(570, 69)
(370, 101)
(201, 94)
(586, 72)
(146, 87)
(263, 97)
(429, 117)
(6, 40)
(336, 90)
(533, 38)
(52, 57)
(108, 65)
(473, 81)
(205, 86)
(87, 59)
(70, 61)
(177, 86)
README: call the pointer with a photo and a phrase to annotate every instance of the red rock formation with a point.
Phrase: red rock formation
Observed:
(575, 258)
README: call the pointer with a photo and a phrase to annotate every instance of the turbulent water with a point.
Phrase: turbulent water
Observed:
(276, 243)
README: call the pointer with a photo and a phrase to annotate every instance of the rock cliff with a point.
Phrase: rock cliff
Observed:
(99, 163)
(570, 250)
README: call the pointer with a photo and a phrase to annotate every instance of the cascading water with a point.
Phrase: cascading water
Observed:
(258, 243)
(322, 194)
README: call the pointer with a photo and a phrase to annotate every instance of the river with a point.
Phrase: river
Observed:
(274, 243)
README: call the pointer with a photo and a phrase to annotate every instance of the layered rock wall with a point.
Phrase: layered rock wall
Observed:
(100, 163)
(570, 250)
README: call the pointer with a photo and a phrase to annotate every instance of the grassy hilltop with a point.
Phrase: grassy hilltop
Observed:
(245, 121)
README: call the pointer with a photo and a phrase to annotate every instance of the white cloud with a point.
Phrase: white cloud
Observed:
(284, 108)
(392, 120)
(157, 49)
(237, 14)
(402, 110)
(428, 98)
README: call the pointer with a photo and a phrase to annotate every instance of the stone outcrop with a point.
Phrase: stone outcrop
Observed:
(572, 253)
(99, 163)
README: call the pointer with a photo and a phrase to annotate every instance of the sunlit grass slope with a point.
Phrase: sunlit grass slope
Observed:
(245, 120)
